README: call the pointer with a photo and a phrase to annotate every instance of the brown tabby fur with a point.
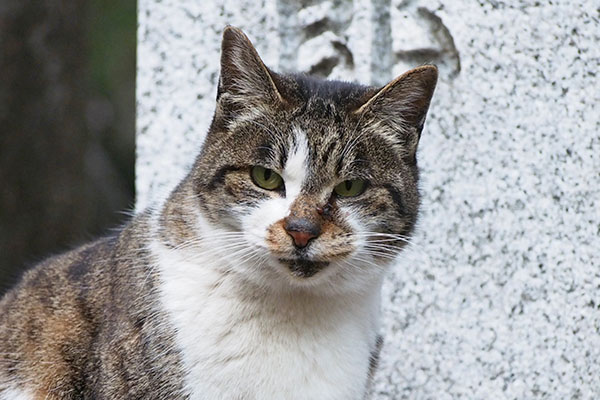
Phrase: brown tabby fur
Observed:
(85, 325)
(88, 323)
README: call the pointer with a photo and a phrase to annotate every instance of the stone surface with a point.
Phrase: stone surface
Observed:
(499, 297)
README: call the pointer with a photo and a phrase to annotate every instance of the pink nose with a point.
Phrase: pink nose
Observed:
(301, 238)
(301, 230)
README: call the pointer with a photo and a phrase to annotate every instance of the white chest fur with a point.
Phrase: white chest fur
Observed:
(252, 345)
(14, 393)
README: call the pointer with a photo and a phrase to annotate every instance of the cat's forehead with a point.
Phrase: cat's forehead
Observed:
(323, 114)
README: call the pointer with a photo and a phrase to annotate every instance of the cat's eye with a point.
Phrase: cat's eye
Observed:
(266, 178)
(350, 188)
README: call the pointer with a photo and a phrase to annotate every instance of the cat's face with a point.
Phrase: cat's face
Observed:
(309, 183)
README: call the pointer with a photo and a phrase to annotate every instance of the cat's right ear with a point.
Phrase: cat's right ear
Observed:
(244, 77)
(400, 107)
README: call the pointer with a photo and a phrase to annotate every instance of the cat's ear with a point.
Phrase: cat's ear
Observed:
(400, 107)
(244, 77)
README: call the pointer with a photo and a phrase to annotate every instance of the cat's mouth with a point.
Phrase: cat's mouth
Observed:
(304, 268)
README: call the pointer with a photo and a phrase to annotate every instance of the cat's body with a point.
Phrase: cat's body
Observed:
(259, 277)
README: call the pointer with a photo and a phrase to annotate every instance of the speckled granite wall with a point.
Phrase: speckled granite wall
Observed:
(499, 298)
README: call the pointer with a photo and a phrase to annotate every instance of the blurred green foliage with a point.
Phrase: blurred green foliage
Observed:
(112, 66)
(112, 44)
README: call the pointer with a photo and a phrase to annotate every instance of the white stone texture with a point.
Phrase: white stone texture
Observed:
(499, 297)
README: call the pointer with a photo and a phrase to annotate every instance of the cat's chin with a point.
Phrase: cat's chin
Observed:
(303, 268)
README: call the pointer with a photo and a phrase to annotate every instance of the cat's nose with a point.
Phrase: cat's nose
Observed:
(301, 230)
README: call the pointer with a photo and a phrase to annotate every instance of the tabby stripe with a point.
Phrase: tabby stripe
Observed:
(219, 177)
(397, 198)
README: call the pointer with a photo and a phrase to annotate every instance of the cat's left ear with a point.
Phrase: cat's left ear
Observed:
(400, 107)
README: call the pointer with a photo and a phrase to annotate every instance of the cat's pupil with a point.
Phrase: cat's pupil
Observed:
(348, 185)
(267, 174)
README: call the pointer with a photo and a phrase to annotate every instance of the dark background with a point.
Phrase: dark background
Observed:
(67, 119)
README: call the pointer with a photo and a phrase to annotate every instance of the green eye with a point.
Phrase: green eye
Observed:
(266, 178)
(350, 188)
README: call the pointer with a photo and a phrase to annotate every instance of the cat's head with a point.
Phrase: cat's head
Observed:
(304, 182)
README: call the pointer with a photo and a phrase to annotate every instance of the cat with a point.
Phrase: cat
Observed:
(259, 277)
